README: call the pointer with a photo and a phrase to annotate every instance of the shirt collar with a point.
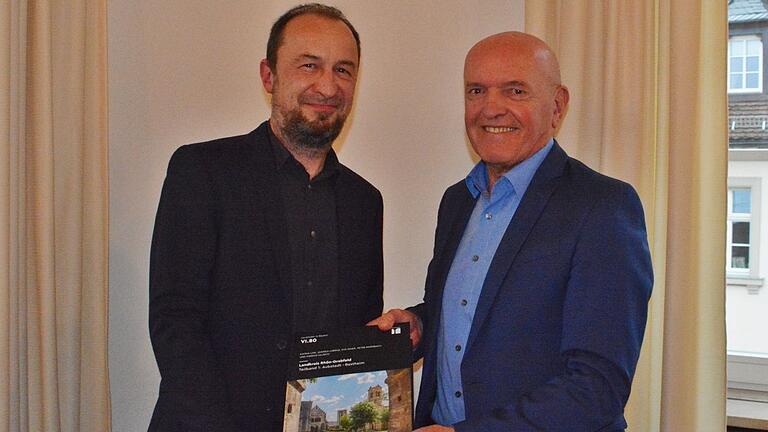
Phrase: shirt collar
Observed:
(519, 177)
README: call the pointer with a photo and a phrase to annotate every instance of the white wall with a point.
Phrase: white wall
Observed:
(745, 312)
(182, 71)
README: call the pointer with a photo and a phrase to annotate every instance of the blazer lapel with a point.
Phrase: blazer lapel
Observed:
(445, 251)
(543, 184)
(266, 183)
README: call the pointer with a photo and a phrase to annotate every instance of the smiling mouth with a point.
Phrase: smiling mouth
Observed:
(497, 130)
(323, 107)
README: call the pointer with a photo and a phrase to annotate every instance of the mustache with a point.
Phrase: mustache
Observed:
(335, 101)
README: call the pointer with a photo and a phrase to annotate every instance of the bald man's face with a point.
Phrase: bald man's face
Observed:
(512, 102)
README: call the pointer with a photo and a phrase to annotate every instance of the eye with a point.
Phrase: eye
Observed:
(516, 92)
(474, 91)
(343, 70)
(309, 66)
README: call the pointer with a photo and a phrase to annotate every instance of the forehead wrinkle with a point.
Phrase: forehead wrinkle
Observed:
(307, 56)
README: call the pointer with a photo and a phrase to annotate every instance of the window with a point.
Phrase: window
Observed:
(743, 228)
(745, 64)
(739, 221)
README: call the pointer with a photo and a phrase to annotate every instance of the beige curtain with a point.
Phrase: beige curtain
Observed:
(649, 105)
(53, 216)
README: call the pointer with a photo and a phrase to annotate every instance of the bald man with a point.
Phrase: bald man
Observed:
(536, 296)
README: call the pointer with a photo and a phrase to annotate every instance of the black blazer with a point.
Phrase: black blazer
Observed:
(220, 302)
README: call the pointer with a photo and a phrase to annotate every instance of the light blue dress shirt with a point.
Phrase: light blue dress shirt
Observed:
(485, 228)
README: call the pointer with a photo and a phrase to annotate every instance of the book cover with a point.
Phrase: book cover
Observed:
(351, 380)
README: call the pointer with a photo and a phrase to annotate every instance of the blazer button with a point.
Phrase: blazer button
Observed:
(281, 345)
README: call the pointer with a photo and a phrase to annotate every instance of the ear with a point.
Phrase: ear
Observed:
(267, 76)
(562, 96)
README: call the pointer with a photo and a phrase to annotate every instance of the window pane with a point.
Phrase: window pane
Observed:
(742, 201)
(737, 48)
(754, 47)
(753, 64)
(740, 257)
(741, 232)
(736, 81)
(753, 81)
(737, 64)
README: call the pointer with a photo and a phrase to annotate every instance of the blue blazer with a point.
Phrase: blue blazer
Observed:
(561, 316)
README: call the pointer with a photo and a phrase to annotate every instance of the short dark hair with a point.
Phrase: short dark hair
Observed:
(276, 34)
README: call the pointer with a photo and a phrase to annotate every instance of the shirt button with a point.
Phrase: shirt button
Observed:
(463, 302)
(457, 394)
(457, 347)
(309, 283)
(488, 216)
(309, 186)
(475, 258)
(313, 234)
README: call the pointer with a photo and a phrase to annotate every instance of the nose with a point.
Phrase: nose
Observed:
(493, 105)
(326, 83)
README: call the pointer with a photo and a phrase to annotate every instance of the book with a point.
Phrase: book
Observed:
(352, 380)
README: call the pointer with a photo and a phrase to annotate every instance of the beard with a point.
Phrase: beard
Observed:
(309, 134)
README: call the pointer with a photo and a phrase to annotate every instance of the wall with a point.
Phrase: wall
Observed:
(182, 71)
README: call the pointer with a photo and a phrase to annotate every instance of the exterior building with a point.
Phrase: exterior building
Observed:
(317, 420)
(400, 396)
(747, 229)
(291, 415)
(304, 414)
(376, 395)
(341, 413)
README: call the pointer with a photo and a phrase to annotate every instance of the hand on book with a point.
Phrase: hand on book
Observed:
(393, 316)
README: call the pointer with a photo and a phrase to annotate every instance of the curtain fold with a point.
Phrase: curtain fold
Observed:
(54, 216)
(649, 106)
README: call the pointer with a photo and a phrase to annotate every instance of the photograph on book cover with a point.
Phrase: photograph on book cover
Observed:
(371, 389)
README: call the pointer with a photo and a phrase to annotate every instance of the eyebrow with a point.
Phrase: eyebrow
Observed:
(514, 83)
(348, 63)
(307, 57)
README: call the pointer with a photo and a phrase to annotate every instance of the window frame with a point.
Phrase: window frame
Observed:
(754, 186)
(746, 90)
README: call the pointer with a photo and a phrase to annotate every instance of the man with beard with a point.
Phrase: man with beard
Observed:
(261, 236)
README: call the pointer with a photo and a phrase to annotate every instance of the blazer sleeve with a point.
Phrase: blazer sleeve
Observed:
(604, 316)
(192, 392)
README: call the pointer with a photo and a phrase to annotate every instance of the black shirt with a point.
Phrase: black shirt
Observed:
(310, 211)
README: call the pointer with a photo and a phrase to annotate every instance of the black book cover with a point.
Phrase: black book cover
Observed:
(356, 379)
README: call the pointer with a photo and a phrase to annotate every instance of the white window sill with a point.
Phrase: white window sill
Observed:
(747, 414)
(752, 285)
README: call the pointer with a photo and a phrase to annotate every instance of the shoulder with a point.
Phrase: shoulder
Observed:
(596, 196)
(585, 181)
(220, 152)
